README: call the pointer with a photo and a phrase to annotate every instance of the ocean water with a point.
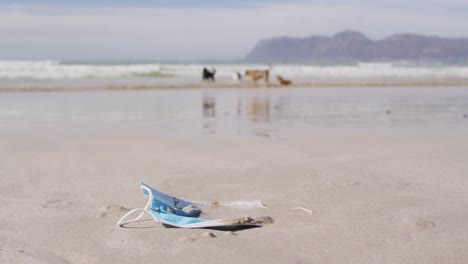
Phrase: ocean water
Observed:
(259, 112)
(33, 74)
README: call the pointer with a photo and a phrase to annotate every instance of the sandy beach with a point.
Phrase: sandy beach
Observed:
(376, 193)
(236, 132)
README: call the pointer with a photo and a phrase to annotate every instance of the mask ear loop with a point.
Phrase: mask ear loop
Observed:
(142, 211)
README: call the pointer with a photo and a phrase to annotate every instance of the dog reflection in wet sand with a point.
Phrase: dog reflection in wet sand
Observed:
(258, 110)
(209, 113)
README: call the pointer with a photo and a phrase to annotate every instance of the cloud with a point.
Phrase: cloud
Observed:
(144, 3)
(48, 32)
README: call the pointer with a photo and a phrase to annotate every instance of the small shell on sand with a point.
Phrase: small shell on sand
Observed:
(208, 234)
(303, 209)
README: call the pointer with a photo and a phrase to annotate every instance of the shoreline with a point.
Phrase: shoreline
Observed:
(237, 85)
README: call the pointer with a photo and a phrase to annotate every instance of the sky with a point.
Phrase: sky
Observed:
(184, 30)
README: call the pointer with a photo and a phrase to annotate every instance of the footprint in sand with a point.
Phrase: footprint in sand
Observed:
(57, 203)
(187, 240)
(416, 225)
(43, 256)
(207, 234)
(111, 210)
(407, 227)
(403, 185)
(330, 185)
(424, 224)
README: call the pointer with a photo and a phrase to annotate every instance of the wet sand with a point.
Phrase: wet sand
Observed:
(66, 86)
(374, 196)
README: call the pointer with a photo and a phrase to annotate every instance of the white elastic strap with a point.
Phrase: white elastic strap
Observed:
(121, 222)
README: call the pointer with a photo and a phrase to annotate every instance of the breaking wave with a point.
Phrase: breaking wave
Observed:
(56, 70)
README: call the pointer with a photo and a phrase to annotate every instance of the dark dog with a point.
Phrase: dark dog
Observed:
(208, 75)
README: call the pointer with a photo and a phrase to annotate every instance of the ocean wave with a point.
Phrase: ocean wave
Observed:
(56, 70)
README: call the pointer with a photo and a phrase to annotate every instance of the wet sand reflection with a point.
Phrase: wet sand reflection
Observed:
(258, 112)
(252, 112)
(209, 113)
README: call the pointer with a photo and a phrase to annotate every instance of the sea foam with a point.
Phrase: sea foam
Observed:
(56, 70)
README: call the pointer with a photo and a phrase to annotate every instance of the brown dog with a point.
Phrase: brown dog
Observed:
(283, 81)
(256, 75)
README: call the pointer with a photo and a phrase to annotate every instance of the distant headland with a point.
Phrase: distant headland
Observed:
(350, 46)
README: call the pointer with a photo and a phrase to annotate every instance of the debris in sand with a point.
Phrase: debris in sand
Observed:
(303, 209)
(190, 208)
(247, 220)
(187, 239)
(208, 234)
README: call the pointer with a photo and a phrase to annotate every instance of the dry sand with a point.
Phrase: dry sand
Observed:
(373, 196)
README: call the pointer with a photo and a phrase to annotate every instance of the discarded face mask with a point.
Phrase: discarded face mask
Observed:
(177, 212)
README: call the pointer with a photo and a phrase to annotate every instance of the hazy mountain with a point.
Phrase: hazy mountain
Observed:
(355, 46)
